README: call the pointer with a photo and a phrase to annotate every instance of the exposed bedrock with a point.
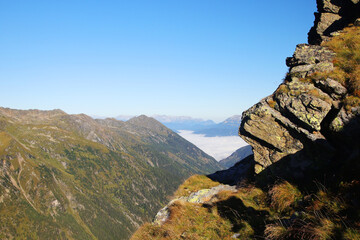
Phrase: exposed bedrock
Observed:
(297, 123)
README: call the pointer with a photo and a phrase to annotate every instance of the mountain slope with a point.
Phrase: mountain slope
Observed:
(72, 177)
(236, 156)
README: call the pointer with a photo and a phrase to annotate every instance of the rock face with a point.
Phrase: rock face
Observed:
(299, 123)
(332, 15)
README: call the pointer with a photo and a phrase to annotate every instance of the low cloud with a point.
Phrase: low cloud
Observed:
(217, 147)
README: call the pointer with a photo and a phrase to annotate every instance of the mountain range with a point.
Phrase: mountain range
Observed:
(72, 177)
(177, 123)
(229, 127)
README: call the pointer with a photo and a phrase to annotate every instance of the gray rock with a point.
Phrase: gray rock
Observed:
(309, 54)
(330, 6)
(332, 87)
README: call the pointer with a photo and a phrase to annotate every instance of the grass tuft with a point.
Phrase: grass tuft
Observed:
(324, 230)
(283, 195)
(275, 231)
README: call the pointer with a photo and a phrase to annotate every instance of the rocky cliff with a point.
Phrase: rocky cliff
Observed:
(312, 117)
(332, 15)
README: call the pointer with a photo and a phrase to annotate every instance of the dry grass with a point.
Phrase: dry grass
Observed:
(188, 221)
(283, 195)
(324, 230)
(275, 231)
(325, 202)
(194, 184)
(346, 65)
(351, 234)
(282, 89)
(350, 102)
(347, 60)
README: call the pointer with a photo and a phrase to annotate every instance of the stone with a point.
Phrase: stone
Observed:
(343, 118)
(326, 20)
(332, 88)
(300, 102)
(309, 54)
(163, 214)
(268, 133)
(330, 6)
(357, 22)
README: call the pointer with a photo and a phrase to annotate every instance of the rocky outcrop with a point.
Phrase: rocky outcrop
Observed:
(304, 123)
(332, 15)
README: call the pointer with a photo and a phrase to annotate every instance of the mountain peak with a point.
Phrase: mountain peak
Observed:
(233, 119)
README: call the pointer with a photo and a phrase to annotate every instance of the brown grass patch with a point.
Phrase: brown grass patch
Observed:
(347, 60)
(283, 195)
(275, 232)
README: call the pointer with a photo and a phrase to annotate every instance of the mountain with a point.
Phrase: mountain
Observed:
(122, 117)
(229, 127)
(177, 123)
(303, 181)
(72, 177)
(236, 156)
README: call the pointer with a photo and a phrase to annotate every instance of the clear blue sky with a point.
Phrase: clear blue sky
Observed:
(202, 58)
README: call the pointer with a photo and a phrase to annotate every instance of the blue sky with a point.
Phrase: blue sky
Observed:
(203, 58)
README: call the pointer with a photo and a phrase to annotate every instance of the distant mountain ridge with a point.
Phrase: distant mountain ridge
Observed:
(229, 127)
(177, 123)
(72, 177)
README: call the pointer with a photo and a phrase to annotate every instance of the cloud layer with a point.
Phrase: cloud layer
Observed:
(217, 147)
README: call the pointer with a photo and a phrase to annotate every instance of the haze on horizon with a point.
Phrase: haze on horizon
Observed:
(204, 59)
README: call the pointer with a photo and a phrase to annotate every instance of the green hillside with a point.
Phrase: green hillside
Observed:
(72, 177)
